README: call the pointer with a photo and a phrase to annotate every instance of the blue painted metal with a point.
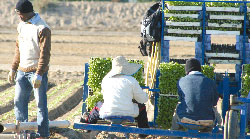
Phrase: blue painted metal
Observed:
(203, 31)
(226, 94)
(148, 131)
(85, 88)
(165, 51)
(164, 55)
(243, 121)
(244, 100)
(244, 34)
(156, 97)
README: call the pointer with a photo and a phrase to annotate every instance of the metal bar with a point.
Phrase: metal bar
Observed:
(183, 15)
(243, 121)
(185, 8)
(244, 35)
(226, 94)
(162, 31)
(148, 131)
(228, 17)
(85, 88)
(224, 25)
(232, 55)
(244, 100)
(181, 31)
(173, 38)
(11, 127)
(156, 96)
(203, 32)
(223, 9)
(219, 32)
(189, 24)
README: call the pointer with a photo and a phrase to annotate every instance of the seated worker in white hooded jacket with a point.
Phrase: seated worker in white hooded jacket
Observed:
(119, 88)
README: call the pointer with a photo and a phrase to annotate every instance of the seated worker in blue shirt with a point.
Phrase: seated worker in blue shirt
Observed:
(197, 98)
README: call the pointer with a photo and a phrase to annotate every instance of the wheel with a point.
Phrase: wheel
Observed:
(226, 126)
(231, 125)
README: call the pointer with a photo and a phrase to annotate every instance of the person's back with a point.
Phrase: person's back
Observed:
(198, 96)
(119, 88)
(118, 92)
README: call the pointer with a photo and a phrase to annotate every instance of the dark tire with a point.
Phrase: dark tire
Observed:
(231, 125)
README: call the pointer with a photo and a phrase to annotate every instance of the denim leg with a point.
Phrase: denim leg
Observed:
(42, 109)
(175, 125)
(22, 94)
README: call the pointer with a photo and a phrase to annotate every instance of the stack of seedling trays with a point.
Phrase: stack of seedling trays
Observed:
(184, 20)
(179, 61)
(182, 23)
(223, 54)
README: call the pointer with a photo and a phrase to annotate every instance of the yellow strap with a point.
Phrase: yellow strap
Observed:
(152, 66)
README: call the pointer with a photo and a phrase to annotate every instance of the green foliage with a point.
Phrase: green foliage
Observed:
(208, 71)
(245, 80)
(166, 107)
(98, 68)
(92, 100)
(170, 74)
(208, 4)
(139, 75)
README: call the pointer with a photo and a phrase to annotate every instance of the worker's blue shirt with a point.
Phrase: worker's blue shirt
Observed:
(197, 96)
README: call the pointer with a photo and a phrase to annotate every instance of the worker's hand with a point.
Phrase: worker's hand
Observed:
(37, 81)
(11, 76)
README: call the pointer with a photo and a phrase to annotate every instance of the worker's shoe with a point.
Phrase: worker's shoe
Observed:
(43, 138)
(142, 136)
(84, 117)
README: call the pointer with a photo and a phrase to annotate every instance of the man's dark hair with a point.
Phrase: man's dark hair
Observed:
(24, 6)
(192, 64)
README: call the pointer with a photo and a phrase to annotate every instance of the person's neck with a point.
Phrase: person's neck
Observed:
(30, 15)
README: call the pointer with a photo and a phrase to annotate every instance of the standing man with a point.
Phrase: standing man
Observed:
(197, 98)
(31, 65)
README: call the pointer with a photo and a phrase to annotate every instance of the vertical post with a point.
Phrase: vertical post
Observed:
(244, 34)
(243, 120)
(203, 32)
(164, 44)
(156, 97)
(165, 51)
(225, 102)
(85, 88)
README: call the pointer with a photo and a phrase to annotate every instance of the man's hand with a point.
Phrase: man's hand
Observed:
(37, 81)
(11, 76)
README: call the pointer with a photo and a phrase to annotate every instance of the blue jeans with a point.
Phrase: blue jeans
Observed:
(23, 89)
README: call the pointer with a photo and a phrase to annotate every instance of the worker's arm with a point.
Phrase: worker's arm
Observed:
(45, 47)
(139, 95)
(16, 59)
